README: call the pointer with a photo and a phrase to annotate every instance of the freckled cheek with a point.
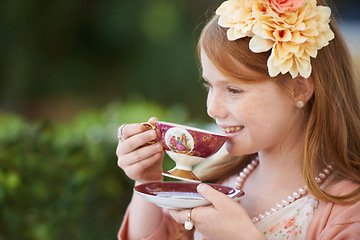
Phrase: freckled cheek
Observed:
(266, 119)
(249, 111)
(256, 114)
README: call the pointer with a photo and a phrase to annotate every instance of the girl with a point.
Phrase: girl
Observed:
(281, 86)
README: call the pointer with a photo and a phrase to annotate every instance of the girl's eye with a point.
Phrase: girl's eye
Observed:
(207, 86)
(235, 90)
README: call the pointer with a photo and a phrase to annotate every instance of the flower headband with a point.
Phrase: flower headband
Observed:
(294, 29)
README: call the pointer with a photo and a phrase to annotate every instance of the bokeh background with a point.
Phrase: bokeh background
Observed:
(71, 72)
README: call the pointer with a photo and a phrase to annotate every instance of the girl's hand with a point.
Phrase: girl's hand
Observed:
(140, 161)
(224, 219)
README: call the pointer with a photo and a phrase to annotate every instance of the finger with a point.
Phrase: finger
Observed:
(152, 120)
(138, 170)
(139, 154)
(145, 153)
(180, 216)
(215, 197)
(135, 141)
(132, 129)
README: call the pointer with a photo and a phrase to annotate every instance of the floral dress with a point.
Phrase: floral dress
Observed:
(290, 222)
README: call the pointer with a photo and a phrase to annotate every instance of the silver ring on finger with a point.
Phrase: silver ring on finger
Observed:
(120, 132)
(189, 224)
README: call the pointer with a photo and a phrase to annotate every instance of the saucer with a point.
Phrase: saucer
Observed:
(180, 195)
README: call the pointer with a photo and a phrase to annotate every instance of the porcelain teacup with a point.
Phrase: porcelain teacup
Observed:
(186, 146)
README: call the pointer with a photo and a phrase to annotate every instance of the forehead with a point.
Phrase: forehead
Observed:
(240, 71)
(208, 68)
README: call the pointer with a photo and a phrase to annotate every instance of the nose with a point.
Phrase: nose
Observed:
(216, 106)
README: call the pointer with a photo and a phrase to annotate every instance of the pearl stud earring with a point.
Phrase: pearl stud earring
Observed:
(300, 104)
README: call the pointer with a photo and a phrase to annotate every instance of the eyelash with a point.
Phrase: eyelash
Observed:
(231, 90)
(207, 86)
(234, 90)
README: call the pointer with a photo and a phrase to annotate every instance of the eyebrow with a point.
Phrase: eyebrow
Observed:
(218, 80)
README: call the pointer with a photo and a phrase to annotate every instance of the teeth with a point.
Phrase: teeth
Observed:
(232, 129)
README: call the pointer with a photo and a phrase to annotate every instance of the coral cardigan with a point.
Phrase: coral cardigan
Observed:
(330, 221)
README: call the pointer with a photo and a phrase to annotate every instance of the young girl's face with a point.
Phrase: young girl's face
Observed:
(254, 115)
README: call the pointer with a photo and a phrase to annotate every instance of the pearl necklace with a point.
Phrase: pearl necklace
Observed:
(285, 202)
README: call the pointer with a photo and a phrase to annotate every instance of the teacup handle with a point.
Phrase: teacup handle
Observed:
(147, 124)
(152, 126)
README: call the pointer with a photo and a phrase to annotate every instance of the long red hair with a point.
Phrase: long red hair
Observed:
(331, 117)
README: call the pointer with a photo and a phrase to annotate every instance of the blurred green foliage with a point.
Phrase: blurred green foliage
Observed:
(100, 51)
(61, 181)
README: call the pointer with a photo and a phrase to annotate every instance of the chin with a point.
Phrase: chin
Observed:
(236, 150)
(232, 149)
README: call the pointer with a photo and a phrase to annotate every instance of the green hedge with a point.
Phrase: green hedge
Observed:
(61, 180)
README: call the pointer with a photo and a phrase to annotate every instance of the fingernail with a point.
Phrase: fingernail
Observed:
(201, 187)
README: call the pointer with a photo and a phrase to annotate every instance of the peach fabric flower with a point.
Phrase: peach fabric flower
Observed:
(293, 36)
(286, 5)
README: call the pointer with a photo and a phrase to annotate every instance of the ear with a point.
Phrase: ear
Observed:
(303, 89)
